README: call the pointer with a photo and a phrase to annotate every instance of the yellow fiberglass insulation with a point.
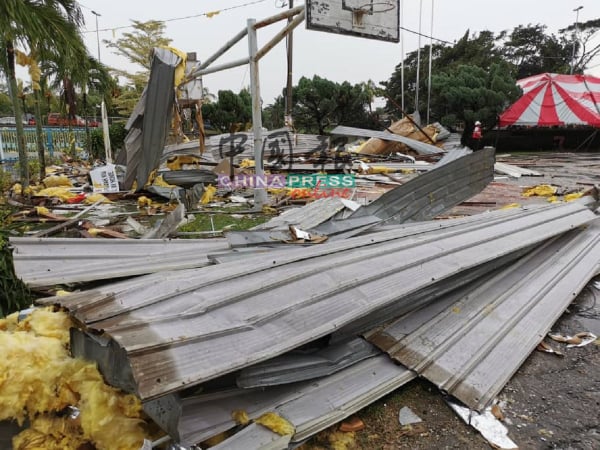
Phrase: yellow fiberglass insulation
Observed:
(39, 379)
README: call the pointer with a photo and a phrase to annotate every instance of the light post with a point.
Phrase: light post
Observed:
(576, 10)
(105, 133)
(97, 33)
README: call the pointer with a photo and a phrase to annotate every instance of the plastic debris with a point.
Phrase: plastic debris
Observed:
(578, 340)
(408, 417)
(487, 424)
(545, 347)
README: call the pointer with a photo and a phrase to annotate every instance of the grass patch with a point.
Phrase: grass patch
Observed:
(220, 221)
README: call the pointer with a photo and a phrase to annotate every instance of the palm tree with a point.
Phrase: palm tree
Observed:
(50, 27)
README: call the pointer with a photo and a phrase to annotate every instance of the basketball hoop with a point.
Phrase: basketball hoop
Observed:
(370, 9)
(374, 8)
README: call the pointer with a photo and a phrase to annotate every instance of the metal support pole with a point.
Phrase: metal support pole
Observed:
(276, 18)
(402, 52)
(229, 65)
(279, 36)
(430, 61)
(576, 10)
(260, 194)
(418, 58)
(1, 148)
(238, 37)
(288, 120)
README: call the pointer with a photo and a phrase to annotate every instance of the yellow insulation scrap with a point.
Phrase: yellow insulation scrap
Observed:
(276, 423)
(240, 416)
(93, 198)
(208, 195)
(177, 162)
(573, 196)
(247, 163)
(342, 441)
(50, 433)
(57, 181)
(160, 181)
(61, 193)
(38, 380)
(543, 190)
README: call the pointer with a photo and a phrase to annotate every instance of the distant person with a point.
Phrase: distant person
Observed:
(477, 136)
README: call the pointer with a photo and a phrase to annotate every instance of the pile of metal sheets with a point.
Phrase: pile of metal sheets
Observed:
(461, 302)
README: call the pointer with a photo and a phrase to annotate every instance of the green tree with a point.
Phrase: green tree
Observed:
(585, 41)
(470, 93)
(273, 114)
(320, 104)
(46, 25)
(136, 47)
(315, 104)
(477, 49)
(231, 112)
(532, 51)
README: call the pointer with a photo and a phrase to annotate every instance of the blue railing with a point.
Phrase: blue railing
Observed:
(57, 139)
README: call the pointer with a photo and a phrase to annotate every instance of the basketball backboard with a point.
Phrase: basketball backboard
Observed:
(373, 19)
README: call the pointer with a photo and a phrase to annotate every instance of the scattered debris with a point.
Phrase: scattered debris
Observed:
(408, 417)
(546, 348)
(487, 424)
(578, 340)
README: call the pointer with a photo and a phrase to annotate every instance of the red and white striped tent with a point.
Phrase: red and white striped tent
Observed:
(550, 99)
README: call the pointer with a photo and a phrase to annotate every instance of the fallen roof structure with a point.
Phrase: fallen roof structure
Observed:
(43, 262)
(472, 341)
(149, 123)
(152, 326)
(420, 147)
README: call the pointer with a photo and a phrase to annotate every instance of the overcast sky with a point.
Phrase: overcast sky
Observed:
(328, 55)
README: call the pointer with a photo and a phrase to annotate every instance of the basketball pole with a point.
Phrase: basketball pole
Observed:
(288, 120)
(430, 61)
(402, 53)
(419, 57)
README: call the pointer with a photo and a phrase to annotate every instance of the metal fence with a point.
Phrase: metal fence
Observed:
(56, 140)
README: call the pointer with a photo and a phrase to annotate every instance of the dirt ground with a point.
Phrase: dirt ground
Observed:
(552, 402)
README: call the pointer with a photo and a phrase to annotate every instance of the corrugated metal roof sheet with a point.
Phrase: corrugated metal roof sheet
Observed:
(309, 406)
(50, 261)
(436, 191)
(473, 341)
(181, 328)
(515, 171)
(297, 366)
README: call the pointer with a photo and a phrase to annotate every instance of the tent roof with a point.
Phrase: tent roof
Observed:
(550, 99)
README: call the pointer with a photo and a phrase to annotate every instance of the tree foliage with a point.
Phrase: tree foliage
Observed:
(136, 47)
(231, 112)
(531, 51)
(320, 104)
(45, 28)
(470, 93)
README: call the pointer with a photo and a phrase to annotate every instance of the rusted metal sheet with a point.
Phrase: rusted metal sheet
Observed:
(472, 341)
(244, 312)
